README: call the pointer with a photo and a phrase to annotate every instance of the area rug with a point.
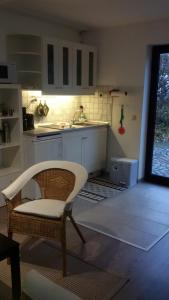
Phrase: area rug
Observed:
(84, 280)
(139, 216)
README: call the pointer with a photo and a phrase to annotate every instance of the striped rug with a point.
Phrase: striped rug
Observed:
(98, 189)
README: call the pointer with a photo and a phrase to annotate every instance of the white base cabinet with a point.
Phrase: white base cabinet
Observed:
(40, 149)
(87, 147)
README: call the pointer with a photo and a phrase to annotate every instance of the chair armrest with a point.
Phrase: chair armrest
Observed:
(16, 186)
(11, 204)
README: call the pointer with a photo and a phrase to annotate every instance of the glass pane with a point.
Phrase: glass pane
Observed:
(3, 72)
(65, 66)
(91, 64)
(79, 67)
(50, 61)
(160, 159)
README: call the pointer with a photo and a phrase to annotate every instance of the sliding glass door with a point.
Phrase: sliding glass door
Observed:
(157, 151)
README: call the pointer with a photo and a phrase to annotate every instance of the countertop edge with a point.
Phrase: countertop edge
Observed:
(49, 131)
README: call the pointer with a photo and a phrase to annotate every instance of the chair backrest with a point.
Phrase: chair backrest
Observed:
(75, 175)
(55, 183)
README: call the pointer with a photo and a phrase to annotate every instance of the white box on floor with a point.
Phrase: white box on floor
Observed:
(124, 171)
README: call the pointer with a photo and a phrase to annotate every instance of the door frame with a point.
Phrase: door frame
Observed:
(148, 176)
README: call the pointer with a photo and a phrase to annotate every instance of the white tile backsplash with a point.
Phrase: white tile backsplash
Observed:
(62, 108)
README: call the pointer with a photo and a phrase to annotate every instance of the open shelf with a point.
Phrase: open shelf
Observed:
(8, 145)
(8, 170)
(11, 153)
(25, 51)
(9, 117)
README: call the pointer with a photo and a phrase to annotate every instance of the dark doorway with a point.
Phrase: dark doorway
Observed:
(157, 150)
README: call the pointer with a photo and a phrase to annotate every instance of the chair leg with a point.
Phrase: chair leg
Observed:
(10, 234)
(64, 262)
(77, 228)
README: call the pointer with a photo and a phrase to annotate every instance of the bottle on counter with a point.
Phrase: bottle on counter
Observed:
(6, 132)
(1, 133)
(82, 116)
(25, 121)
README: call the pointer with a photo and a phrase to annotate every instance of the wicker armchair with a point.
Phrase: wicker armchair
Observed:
(59, 182)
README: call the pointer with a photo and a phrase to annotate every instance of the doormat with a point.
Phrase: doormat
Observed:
(92, 196)
(107, 182)
(96, 192)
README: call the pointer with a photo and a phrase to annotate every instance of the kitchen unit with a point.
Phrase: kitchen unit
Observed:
(52, 65)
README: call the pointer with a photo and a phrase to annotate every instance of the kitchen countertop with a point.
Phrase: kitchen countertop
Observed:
(43, 131)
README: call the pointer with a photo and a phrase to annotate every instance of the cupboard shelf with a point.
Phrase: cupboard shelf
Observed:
(30, 71)
(9, 145)
(9, 117)
(9, 170)
(26, 53)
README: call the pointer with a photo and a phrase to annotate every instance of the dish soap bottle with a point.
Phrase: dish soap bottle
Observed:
(82, 116)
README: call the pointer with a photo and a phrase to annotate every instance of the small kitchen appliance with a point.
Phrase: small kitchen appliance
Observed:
(28, 120)
(8, 73)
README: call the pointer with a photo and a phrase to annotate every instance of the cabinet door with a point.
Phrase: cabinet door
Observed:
(94, 148)
(78, 66)
(72, 147)
(50, 64)
(49, 149)
(65, 62)
(90, 67)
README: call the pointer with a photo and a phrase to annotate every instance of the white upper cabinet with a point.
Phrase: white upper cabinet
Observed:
(53, 66)
(68, 68)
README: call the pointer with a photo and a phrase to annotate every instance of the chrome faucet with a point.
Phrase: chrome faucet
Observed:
(79, 115)
(76, 116)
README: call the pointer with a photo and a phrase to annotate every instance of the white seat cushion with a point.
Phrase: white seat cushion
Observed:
(42, 207)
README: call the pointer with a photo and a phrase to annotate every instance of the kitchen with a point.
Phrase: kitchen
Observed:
(123, 63)
(115, 71)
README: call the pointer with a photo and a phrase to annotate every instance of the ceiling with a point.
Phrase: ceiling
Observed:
(91, 14)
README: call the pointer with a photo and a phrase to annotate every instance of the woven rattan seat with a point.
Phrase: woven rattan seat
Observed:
(59, 181)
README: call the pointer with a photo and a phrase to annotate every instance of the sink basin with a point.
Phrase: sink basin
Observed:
(77, 126)
(83, 124)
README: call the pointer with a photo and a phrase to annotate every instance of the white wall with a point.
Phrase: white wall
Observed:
(11, 23)
(122, 64)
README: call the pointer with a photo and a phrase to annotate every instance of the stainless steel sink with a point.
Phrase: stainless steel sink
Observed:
(77, 126)
(83, 124)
